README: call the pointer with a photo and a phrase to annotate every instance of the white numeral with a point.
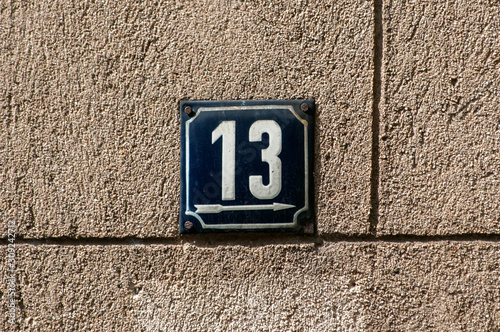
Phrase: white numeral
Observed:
(227, 130)
(270, 156)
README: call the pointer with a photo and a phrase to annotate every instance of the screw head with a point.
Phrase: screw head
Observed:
(304, 107)
(188, 225)
(188, 110)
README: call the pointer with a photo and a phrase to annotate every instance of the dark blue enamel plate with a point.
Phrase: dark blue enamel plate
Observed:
(247, 166)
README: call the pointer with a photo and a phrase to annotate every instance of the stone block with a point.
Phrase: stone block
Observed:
(89, 137)
(440, 118)
(440, 286)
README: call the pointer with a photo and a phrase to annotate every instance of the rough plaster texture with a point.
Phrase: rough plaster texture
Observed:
(447, 286)
(440, 118)
(89, 147)
(89, 94)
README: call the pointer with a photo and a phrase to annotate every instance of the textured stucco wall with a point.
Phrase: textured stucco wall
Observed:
(407, 164)
(91, 92)
(440, 119)
(446, 286)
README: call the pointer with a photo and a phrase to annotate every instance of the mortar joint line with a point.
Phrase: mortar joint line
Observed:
(231, 240)
(378, 45)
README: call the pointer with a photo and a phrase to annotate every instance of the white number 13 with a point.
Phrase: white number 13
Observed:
(227, 130)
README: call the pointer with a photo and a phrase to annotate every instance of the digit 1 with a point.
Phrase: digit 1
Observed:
(227, 130)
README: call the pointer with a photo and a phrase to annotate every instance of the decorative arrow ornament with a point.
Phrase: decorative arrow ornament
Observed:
(217, 208)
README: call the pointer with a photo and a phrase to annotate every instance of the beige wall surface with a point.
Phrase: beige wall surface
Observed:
(440, 123)
(447, 286)
(90, 100)
(407, 183)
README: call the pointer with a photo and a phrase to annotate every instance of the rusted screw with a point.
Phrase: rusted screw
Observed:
(304, 107)
(188, 225)
(188, 110)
